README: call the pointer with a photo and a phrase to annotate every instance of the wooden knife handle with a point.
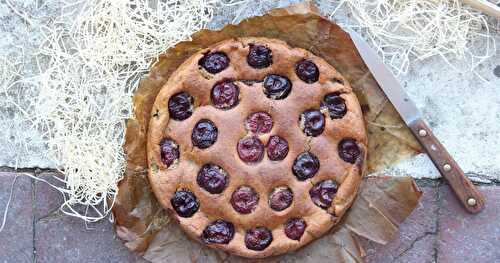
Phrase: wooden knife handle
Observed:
(472, 200)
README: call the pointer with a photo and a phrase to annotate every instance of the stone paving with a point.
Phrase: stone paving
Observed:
(438, 230)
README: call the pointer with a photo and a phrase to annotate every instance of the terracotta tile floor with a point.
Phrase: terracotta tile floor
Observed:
(438, 230)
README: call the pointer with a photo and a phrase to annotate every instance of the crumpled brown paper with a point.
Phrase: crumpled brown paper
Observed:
(382, 203)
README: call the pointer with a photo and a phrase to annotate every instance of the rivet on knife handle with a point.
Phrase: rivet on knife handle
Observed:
(472, 200)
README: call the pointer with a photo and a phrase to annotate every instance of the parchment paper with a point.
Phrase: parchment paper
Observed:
(382, 203)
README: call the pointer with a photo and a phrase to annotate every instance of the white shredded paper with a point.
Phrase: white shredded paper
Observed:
(403, 31)
(88, 66)
(75, 86)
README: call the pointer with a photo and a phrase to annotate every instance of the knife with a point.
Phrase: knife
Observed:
(472, 200)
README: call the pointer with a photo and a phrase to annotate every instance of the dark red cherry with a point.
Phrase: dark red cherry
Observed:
(294, 228)
(322, 193)
(185, 203)
(307, 71)
(212, 178)
(305, 166)
(225, 95)
(281, 198)
(277, 87)
(250, 149)
(277, 148)
(218, 232)
(259, 122)
(258, 238)
(204, 134)
(335, 105)
(259, 56)
(348, 150)
(169, 152)
(244, 199)
(312, 122)
(214, 62)
(250, 82)
(180, 106)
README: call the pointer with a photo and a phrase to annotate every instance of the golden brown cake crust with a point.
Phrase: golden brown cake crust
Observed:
(266, 174)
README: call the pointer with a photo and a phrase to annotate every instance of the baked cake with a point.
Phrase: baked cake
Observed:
(255, 147)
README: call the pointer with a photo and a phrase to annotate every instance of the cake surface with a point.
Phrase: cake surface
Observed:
(255, 147)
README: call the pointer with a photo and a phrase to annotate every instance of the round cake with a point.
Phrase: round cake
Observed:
(255, 147)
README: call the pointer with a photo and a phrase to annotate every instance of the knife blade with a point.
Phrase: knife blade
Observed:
(472, 200)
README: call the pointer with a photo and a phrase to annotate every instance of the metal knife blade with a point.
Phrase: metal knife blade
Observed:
(386, 80)
(472, 200)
